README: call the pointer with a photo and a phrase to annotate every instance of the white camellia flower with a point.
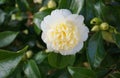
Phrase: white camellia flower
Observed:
(64, 32)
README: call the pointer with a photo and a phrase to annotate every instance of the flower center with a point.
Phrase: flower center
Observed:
(63, 37)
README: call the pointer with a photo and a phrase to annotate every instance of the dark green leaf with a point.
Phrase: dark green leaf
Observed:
(79, 72)
(64, 4)
(76, 6)
(2, 16)
(37, 30)
(38, 17)
(9, 60)
(39, 57)
(23, 5)
(117, 39)
(7, 37)
(32, 70)
(59, 61)
(96, 52)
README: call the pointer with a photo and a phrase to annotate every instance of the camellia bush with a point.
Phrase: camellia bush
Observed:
(59, 38)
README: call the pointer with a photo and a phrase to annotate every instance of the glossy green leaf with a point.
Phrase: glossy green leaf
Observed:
(7, 37)
(39, 57)
(23, 5)
(32, 70)
(2, 16)
(37, 30)
(79, 72)
(9, 60)
(117, 39)
(64, 4)
(38, 17)
(76, 6)
(96, 52)
(60, 61)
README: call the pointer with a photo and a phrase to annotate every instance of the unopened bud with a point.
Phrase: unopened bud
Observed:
(16, 5)
(104, 26)
(43, 8)
(29, 54)
(96, 21)
(95, 28)
(13, 17)
(107, 36)
(37, 1)
(51, 4)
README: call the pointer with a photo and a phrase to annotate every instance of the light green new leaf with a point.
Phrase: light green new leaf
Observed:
(7, 37)
(9, 60)
(31, 70)
(60, 61)
(79, 72)
(96, 52)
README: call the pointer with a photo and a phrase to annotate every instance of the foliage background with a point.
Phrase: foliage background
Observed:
(19, 21)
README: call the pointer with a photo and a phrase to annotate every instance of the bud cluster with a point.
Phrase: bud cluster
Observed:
(99, 25)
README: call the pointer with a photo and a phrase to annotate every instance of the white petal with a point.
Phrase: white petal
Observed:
(76, 49)
(76, 19)
(83, 33)
(61, 12)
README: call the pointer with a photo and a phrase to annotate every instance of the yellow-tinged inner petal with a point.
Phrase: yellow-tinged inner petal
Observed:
(63, 36)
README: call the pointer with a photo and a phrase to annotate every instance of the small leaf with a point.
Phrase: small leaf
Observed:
(59, 61)
(76, 6)
(7, 37)
(38, 17)
(79, 72)
(31, 70)
(9, 60)
(96, 52)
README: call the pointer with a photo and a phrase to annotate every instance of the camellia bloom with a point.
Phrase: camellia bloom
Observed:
(64, 32)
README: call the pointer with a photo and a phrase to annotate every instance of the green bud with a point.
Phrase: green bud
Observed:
(95, 28)
(112, 30)
(107, 36)
(29, 54)
(43, 8)
(96, 21)
(51, 4)
(37, 1)
(104, 26)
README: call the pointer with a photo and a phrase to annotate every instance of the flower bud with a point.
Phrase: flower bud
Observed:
(37, 1)
(107, 36)
(43, 8)
(96, 21)
(29, 54)
(95, 28)
(51, 4)
(104, 26)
